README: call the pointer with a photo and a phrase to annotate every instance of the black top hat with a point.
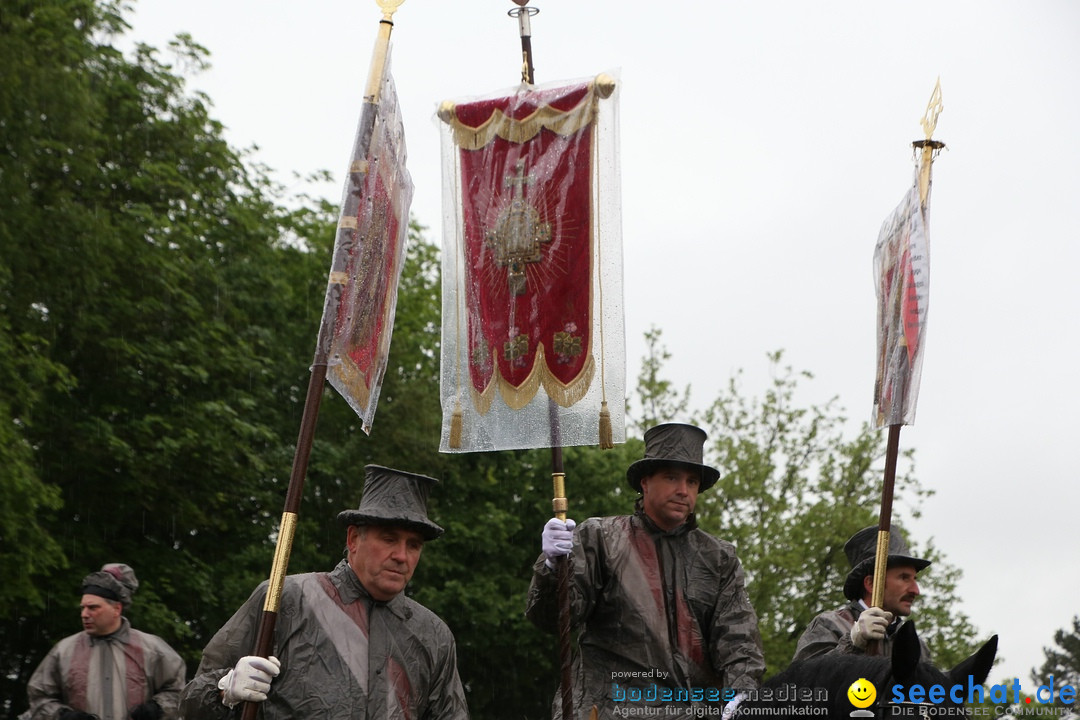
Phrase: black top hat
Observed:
(393, 497)
(861, 550)
(673, 444)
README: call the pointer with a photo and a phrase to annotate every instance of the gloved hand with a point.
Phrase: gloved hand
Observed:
(870, 626)
(148, 710)
(71, 714)
(249, 681)
(732, 706)
(557, 539)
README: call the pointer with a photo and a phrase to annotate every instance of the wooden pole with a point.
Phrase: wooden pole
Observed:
(264, 642)
(559, 506)
(881, 556)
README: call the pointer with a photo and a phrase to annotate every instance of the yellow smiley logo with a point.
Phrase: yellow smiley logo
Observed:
(862, 693)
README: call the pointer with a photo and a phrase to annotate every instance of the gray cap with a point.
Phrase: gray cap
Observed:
(673, 444)
(394, 497)
(124, 573)
(115, 581)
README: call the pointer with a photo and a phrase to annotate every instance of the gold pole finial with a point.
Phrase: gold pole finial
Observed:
(389, 7)
(933, 109)
(929, 146)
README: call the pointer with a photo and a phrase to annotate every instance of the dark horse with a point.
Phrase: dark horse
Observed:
(904, 685)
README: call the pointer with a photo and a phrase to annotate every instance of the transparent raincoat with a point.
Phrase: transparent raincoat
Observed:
(664, 619)
(342, 654)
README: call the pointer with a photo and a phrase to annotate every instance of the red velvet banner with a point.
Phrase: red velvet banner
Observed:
(526, 188)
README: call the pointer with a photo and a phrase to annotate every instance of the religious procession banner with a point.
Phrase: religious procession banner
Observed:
(532, 339)
(902, 281)
(368, 255)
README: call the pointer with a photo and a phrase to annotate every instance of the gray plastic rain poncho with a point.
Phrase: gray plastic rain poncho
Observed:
(830, 634)
(106, 676)
(659, 612)
(342, 655)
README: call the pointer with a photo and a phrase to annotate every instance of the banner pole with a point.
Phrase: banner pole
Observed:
(559, 502)
(927, 147)
(559, 505)
(264, 641)
(523, 13)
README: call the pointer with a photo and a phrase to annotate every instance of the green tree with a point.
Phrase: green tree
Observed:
(1061, 665)
(36, 93)
(660, 401)
(152, 295)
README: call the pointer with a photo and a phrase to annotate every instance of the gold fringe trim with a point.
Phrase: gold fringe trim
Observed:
(564, 394)
(518, 396)
(562, 122)
(567, 394)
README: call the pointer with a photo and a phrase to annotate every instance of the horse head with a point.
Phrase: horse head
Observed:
(915, 684)
(909, 667)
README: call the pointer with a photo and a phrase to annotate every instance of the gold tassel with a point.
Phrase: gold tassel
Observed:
(605, 427)
(455, 426)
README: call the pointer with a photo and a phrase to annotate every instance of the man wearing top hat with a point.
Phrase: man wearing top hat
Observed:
(660, 604)
(851, 628)
(110, 670)
(348, 643)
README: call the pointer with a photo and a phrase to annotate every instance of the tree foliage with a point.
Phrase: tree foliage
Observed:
(659, 400)
(1061, 664)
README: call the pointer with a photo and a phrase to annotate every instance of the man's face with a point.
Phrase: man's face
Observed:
(99, 616)
(900, 589)
(669, 495)
(384, 557)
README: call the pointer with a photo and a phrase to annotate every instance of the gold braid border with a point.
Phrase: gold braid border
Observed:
(563, 122)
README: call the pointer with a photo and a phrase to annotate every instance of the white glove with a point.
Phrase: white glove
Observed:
(870, 626)
(557, 539)
(249, 681)
(732, 706)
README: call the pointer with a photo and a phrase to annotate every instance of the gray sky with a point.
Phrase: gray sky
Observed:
(763, 144)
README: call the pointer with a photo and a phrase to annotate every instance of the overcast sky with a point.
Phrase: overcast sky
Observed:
(763, 144)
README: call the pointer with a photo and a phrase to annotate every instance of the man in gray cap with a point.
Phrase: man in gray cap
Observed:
(348, 643)
(851, 628)
(661, 605)
(110, 670)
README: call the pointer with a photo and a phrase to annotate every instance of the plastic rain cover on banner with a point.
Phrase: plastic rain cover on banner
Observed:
(372, 229)
(533, 349)
(902, 282)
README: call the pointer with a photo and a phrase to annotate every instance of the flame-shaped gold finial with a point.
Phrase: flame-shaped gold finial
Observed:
(929, 146)
(933, 109)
